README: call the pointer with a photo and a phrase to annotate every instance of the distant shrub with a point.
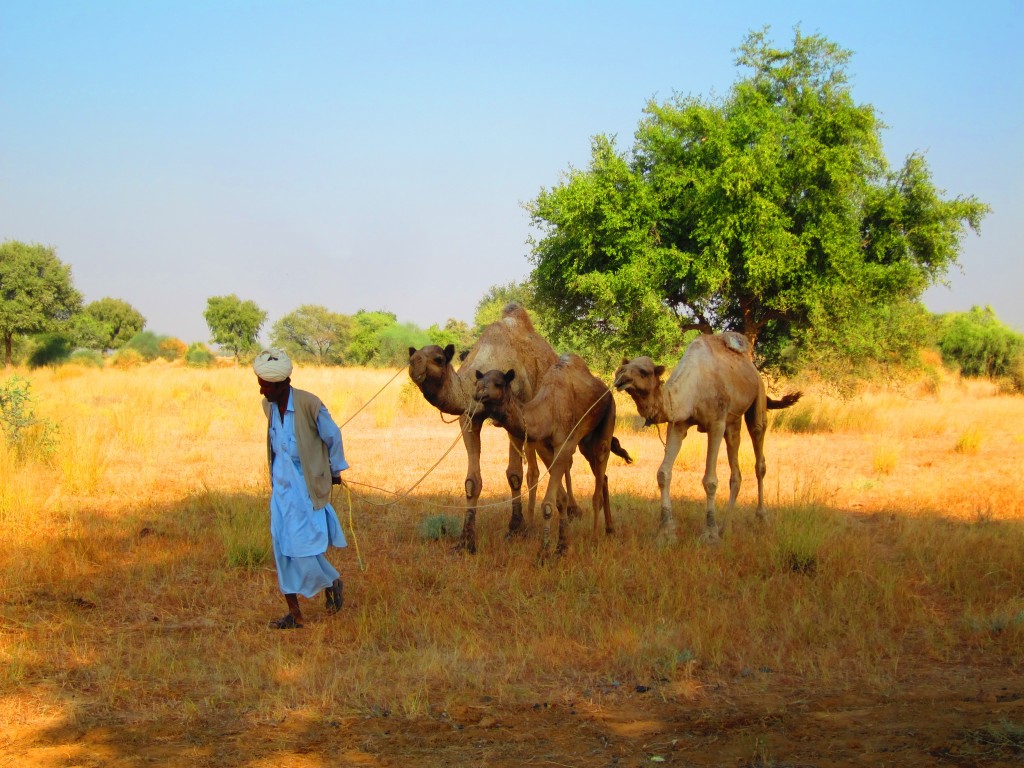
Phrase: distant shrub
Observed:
(198, 355)
(127, 358)
(89, 357)
(50, 349)
(980, 345)
(172, 349)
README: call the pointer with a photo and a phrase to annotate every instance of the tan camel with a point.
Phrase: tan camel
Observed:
(572, 408)
(712, 387)
(511, 343)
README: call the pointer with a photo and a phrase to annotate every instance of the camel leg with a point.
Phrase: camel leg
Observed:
(757, 424)
(474, 482)
(732, 451)
(716, 432)
(598, 460)
(673, 442)
(532, 477)
(572, 509)
(514, 474)
(551, 505)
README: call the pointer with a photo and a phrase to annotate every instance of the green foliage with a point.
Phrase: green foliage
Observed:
(199, 356)
(234, 324)
(146, 344)
(87, 357)
(108, 324)
(312, 333)
(22, 430)
(454, 332)
(489, 308)
(37, 291)
(393, 343)
(771, 211)
(979, 344)
(364, 347)
(438, 527)
(50, 349)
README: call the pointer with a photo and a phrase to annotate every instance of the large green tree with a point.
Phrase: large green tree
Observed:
(313, 333)
(108, 324)
(234, 324)
(765, 211)
(36, 291)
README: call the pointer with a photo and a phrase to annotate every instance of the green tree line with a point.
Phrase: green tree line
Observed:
(772, 210)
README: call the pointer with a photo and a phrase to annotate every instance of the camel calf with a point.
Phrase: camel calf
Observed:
(712, 387)
(572, 408)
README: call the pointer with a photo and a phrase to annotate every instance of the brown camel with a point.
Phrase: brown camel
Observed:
(714, 384)
(572, 408)
(511, 343)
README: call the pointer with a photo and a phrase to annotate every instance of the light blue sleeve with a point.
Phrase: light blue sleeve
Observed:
(331, 436)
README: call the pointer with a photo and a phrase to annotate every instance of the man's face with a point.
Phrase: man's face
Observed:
(274, 390)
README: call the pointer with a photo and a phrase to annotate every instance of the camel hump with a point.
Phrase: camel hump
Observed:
(736, 342)
(514, 315)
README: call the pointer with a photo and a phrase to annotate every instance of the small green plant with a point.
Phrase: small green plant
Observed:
(437, 527)
(799, 536)
(199, 356)
(969, 441)
(243, 529)
(22, 430)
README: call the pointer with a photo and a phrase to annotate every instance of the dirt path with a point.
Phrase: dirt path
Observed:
(955, 717)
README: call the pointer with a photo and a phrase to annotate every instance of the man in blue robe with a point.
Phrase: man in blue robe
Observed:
(306, 456)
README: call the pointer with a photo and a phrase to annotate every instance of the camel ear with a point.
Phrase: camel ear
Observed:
(449, 352)
(509, 375)
(463, 354)
(625, 361)
(412, 351)
(658, 370)
(478, 375)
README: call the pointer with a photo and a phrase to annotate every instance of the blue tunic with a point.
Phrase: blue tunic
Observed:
(299, 533)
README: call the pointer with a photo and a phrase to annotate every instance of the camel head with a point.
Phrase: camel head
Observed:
(493, 391)
(429, 365)
(641, 380)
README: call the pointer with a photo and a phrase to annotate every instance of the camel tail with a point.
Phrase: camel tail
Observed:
(618, 450)
(784, 402)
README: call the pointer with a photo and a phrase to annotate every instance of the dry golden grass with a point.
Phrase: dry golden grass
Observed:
(135, 584)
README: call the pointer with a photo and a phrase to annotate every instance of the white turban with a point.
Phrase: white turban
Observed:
(272, 365)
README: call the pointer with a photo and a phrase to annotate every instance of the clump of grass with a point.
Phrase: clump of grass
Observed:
(799, 536)
(243, 529)
(1004, 737)
(885, 458)
(969, 442)
(437, 527)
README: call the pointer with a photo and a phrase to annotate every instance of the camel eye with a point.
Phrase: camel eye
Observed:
(439, 360)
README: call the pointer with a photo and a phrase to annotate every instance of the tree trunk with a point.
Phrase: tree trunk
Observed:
(8, 349)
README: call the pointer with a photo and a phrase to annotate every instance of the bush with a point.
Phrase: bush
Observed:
(89, 357)
(22, 430)
(171, 349)
(980, 345)
(199, 355)
(50, 349)
(127, 358)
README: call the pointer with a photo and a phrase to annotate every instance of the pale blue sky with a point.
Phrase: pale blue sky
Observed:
(377, 156)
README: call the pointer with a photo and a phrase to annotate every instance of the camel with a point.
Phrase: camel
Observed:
(572, 408)
(510, 343)
(712, 386)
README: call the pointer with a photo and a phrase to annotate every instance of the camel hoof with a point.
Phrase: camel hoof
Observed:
(573, 513)
(711, 536)
(519, 532)
(468, 547)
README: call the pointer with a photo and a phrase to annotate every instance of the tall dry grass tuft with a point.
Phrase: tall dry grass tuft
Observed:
(136, 579)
